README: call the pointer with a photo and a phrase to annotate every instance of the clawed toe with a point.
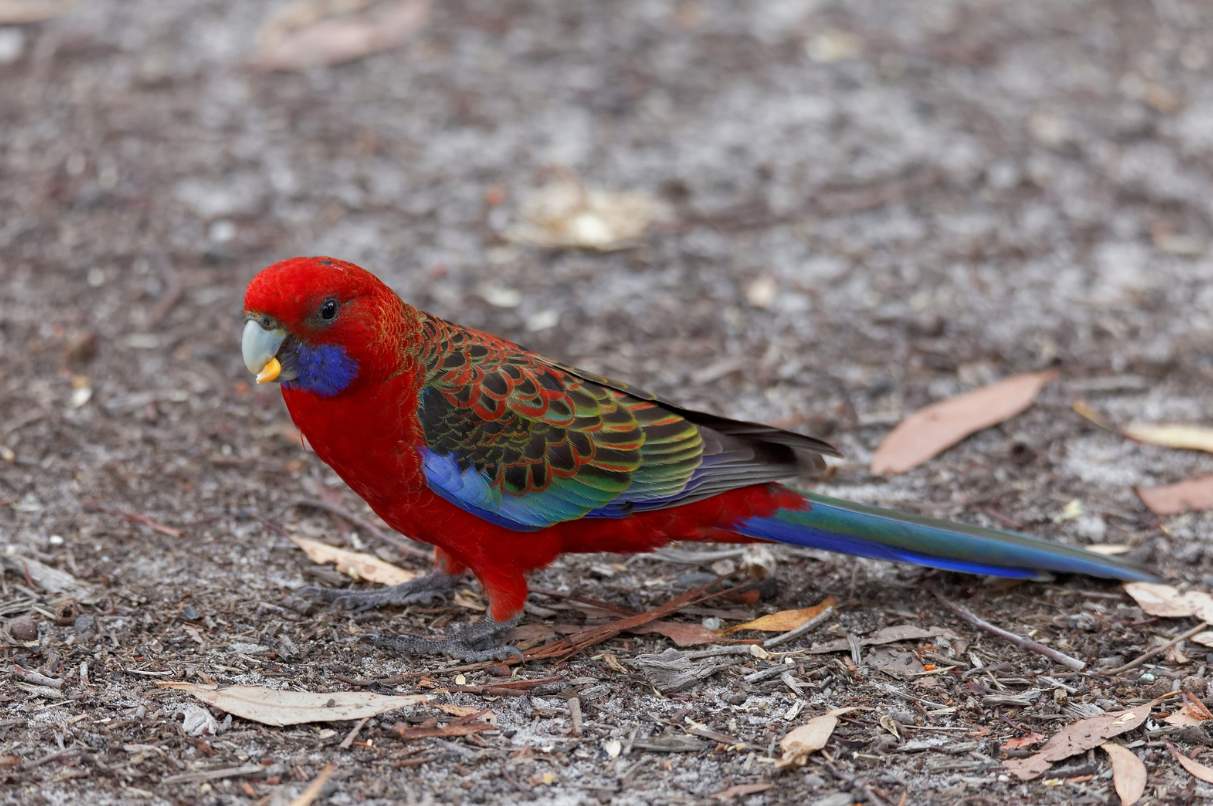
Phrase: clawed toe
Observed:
(422, 590)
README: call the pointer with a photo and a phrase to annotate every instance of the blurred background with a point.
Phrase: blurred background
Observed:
(820, 214)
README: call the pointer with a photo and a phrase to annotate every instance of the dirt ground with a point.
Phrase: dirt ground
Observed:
(873, 205)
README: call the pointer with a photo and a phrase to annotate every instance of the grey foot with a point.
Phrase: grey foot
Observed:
(480, 641)
(422, 590)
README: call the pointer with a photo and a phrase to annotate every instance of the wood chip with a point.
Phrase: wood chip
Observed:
(355, 564)
(1128, 773)
(784, 620)
(277, 707)
(931, 430)
(740, 791)
(1193, 495)
(1078, 738)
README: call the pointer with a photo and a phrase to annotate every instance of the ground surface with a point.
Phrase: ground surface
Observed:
(941, 194)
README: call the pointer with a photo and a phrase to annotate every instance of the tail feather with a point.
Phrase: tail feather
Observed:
(843, 526)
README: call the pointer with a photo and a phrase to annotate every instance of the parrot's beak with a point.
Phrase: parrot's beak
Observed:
(259, 346)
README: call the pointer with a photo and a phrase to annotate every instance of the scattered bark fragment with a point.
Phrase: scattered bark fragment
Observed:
(1128, 773)
(1078, 737)
(931, 430)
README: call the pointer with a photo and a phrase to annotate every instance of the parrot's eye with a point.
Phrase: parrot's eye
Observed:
(328, 311)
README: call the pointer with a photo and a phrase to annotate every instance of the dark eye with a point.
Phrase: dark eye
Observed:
(328, 311)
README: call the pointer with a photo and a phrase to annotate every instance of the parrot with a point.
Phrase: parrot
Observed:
(503, 459)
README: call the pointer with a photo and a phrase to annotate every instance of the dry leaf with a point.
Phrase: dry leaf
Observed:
(1192, 495)
(1077, 738)
(1201, 771)
(784, 620)
(1172, 435)
(21, 12)
(808, 738)
(1203, 638)
(275, 707)
(307, 33)
(886, 635)
(566, 215)
(931, 430)
(1165, 601)
(355, 564)
(1192, 712)
(682, 634)
(1128, 773)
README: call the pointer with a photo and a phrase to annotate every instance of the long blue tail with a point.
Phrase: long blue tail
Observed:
(836, 525)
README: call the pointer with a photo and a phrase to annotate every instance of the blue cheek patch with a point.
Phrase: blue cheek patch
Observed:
(325, 369)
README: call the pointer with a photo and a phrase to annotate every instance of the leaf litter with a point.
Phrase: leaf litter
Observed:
(937, 427)
(279, 707)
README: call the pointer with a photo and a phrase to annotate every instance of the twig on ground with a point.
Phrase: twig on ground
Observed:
(134, 517)
(1018, 640)
(349, 737)
(1158, 650)
(313, 790)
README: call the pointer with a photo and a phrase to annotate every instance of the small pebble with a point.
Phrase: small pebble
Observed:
(23, 628)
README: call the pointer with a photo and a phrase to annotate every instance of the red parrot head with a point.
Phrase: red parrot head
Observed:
(320, 325)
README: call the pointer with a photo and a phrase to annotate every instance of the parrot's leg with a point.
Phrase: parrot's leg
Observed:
(422, 590)
(478, 642)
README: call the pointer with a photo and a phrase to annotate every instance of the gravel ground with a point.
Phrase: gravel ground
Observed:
(871, 205)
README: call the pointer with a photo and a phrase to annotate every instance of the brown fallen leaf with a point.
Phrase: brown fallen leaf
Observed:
(1201, 771)
(1128, 773)
(307, 33)
(1165, 601)
(784, 620)
(277, 707)
(1203, 638)
(885, 635)
(931, 430)
(355, 564)
(1192, 495)
(1192, 712)
(1076, 738)
(803, 741)
(681, 633)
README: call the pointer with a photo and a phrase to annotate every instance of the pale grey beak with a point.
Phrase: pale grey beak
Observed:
(260, 350)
